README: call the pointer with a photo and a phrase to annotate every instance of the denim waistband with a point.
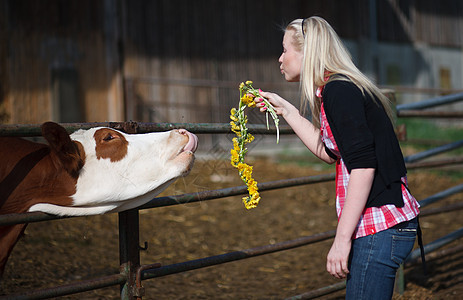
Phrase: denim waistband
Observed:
(405, 224)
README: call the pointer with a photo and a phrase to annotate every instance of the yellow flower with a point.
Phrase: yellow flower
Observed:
(242, 168)
(249, 138)
(251, 201)
(252, 187)
(234, 157)
(248, 99)
(238, 152)
(234, 126)
(252, 103)
(245, 172)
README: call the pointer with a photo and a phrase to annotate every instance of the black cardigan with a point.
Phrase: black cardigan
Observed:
(366, 139)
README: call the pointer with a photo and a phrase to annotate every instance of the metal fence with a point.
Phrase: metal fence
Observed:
(132, 273)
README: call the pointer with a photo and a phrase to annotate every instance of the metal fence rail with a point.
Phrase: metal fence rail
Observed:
(30, 217)
(132, 273)
(417, 109)
(438, 101)
(153, 271)
(31, 130)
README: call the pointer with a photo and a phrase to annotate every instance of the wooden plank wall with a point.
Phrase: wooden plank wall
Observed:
(181, 60)
(436, 23)
(44, 36)
(220, 43)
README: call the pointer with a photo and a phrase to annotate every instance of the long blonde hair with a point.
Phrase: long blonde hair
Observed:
(325, 54)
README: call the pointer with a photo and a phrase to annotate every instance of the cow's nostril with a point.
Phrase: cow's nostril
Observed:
(182, 131)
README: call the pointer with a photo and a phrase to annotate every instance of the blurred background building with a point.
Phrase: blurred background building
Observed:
(182, 61)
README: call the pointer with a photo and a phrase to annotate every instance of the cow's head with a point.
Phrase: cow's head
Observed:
(90, 172)
(116, 171)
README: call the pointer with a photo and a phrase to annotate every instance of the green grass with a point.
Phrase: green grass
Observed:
(418, 129)
(425, 134)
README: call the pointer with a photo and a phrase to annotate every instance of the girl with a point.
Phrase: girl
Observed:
(351, 126)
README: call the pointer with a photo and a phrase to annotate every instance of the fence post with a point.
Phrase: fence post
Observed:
(129, 251)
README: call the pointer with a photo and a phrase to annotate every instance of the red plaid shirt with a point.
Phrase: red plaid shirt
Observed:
(373, 219)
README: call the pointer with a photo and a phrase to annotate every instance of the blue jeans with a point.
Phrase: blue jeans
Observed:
(374, 260)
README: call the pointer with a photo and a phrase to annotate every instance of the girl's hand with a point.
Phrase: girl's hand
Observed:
(337, 260)
(303, 128)
(281, 106)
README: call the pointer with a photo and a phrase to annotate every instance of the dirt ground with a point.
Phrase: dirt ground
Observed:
(62, 251)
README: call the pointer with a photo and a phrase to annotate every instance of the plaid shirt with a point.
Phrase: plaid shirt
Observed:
(373, 219)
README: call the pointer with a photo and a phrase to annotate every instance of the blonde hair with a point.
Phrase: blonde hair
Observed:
(325, 54)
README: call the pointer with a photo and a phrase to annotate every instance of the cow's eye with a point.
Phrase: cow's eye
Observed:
(108, 137)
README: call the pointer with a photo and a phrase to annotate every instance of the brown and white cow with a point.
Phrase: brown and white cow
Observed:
(89, 172)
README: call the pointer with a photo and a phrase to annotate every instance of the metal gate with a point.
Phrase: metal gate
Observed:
(132, 273)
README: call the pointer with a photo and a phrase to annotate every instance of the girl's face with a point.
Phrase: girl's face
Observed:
(291, 59)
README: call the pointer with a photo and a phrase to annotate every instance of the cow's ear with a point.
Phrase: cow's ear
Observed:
(70, 154)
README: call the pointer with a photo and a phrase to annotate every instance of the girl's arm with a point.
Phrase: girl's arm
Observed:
(303, 128)
(358, 189)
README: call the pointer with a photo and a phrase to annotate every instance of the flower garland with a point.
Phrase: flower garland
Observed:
(243, 137)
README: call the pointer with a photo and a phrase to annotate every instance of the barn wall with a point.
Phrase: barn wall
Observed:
(182, 42)
(220, 43)
(58, 62)
(181, 61)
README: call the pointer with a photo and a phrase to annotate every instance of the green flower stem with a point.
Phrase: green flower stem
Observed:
(273, 114)
(249, 89)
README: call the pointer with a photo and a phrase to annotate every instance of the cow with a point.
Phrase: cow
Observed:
(89, 172)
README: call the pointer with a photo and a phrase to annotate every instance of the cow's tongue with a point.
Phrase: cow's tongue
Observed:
(192, 144)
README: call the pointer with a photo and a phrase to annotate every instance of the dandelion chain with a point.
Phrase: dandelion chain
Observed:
(243, 137)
